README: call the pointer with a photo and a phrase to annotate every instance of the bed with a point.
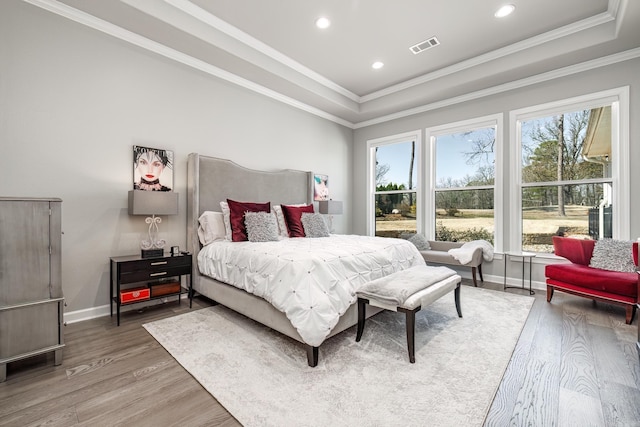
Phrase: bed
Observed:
(212, 180)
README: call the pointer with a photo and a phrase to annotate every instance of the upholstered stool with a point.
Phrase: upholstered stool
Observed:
(407, 291)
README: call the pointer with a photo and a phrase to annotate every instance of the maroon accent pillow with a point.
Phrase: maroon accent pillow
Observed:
(236, 216)
(293, 218)
(578, 251)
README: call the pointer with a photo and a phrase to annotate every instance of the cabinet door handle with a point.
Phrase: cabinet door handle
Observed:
(158, 274)
(159, 263)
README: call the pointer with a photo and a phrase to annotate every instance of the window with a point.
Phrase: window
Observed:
(393, 177)
(570, 171)
(463, 180)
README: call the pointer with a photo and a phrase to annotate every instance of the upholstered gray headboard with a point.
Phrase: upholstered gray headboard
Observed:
(211, 180)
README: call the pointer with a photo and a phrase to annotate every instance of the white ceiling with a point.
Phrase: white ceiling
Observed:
(273, 47)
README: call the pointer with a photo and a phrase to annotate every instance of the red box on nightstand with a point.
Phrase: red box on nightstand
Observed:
(134, 294)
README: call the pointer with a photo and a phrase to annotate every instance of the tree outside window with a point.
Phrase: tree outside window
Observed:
(566, 177)
(395, 188)
(464, 185)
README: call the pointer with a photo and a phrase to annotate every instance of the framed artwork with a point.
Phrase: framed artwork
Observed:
(320, 187)
(152, 169)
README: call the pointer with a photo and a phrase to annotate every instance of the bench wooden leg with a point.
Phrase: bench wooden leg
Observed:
(549, 293)
(456, 294)
(480, 271)
(410, 320)
(411, 334)
(361, 317)
(473, 274)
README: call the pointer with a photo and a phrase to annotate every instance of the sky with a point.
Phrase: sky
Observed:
(450, 160)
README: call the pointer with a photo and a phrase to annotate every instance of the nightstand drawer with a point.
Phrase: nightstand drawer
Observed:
(155, 264)
(156, 273)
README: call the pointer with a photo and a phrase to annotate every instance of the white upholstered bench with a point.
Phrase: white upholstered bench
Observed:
(407, 291)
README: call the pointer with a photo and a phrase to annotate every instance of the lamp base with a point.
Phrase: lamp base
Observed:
(151, 253)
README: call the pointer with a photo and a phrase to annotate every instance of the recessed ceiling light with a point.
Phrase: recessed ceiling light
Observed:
(377, 65)
(504, 11)
(323, 22)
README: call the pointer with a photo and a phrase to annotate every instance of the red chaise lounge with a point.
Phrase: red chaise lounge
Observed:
(579, 278)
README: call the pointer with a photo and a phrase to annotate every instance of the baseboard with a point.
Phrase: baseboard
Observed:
(104, 310)
(511, 281)
(86, 314)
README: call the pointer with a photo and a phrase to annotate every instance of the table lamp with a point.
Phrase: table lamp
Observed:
(152, 203)
(330, 207)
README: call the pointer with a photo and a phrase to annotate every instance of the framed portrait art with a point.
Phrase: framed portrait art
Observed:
(320, 187)
(152, 169)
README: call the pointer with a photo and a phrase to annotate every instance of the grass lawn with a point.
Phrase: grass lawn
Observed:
(538, 224)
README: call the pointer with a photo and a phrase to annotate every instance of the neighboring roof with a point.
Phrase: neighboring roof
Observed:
(597, 141)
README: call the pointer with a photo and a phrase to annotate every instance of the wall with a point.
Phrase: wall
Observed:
(73, 102)
(609, 77)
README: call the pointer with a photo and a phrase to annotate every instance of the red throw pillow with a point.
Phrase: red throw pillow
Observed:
(293, 218)
(578, 251)
(236, 214)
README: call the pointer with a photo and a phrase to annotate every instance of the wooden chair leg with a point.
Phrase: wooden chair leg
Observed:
(631, 313)
(473, 274)
(549, 293)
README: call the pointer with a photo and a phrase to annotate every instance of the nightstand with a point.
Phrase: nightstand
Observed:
(151, 276)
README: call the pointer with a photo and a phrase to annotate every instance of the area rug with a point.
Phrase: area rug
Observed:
(261, 377)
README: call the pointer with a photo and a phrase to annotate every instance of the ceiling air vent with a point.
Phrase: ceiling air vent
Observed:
(422, 46)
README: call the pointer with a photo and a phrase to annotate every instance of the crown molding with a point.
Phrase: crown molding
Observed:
(160, 49)
(614, 13)
(516, 84)
(529, 43)
(204, 16)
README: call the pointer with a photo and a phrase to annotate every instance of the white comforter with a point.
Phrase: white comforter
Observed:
(313, 281)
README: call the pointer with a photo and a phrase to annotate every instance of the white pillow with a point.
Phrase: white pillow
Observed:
(211, 227)
(282, 225)
(226, 212)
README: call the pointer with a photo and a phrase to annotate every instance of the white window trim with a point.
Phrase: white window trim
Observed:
(416, 136)
(619, 100)
(431, 133)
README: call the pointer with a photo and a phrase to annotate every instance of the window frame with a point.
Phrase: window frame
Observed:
(431, 133)
(416, 136)
(619, 100)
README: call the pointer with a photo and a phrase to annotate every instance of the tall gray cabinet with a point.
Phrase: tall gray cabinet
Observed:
(31, 302)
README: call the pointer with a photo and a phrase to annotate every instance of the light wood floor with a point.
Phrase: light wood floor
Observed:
(575, 365)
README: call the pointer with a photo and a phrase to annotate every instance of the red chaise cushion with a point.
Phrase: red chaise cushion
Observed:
(582, 276)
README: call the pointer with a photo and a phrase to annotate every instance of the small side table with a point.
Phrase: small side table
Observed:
(524, 256)
(134, 269)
